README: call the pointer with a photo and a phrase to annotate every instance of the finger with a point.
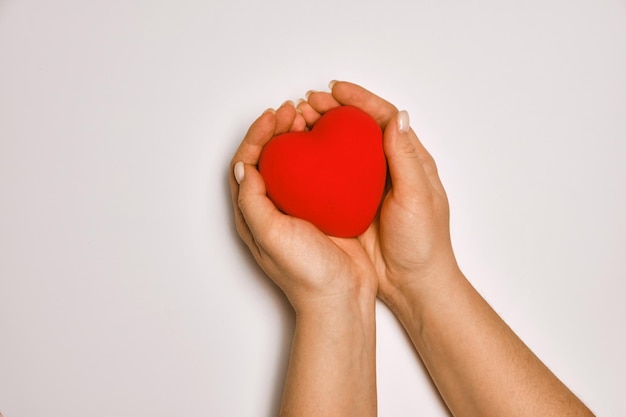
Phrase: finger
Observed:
(249, 151)
(259, 133)
(237, 176)
(428, 162)
(350, 94)
(285, 115)
(310, 115)
(321, 101)
(299, 123)
(405, 164)
(257, 210)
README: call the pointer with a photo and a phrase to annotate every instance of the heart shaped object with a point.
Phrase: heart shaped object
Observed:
(333, 176)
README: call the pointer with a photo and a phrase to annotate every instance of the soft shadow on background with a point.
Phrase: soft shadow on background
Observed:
(271, 291)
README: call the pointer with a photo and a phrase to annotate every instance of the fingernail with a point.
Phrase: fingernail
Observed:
(288, 103)
(270, 110)
(239, 172)
(332, 84)
(308, 93)
(298, 103)
(403, 121)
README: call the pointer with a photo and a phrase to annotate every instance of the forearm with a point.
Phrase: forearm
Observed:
(332, 369)
(478, 363)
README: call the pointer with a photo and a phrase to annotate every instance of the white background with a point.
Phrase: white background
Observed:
(124, 290)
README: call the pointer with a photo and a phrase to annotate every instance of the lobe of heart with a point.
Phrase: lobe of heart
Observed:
(332, 176)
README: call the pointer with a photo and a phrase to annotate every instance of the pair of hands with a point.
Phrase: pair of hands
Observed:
(407, 243)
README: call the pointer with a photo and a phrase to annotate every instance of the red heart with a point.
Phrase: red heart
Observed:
(333, 176)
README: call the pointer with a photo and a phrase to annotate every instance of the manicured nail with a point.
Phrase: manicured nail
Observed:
(288, 103)
(332, 84)
(239, 172)
(403, 121)
(308, 93)
(270, 110)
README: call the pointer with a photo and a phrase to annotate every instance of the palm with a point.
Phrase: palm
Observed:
(410, 231)
(295, 254)
(299, 256)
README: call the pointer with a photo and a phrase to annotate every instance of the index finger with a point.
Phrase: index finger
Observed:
(259, 133)
(349, 94)
(249, 152)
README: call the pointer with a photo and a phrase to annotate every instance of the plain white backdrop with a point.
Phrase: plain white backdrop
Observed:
(124, 289)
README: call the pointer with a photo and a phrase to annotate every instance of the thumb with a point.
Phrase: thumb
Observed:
(255, 206)
(405, 165)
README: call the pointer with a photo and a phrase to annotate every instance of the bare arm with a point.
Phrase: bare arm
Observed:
(330, 283)
(479, 365)
(333, 364)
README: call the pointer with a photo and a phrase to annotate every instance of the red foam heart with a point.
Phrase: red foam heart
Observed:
(333, 176)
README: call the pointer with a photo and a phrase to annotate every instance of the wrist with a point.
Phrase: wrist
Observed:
(341, 295)
(338, 307)
(413, 292)
(332, 369)
(346, 328)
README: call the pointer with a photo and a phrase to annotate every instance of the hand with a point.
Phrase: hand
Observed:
(329, 281)
(478, 364)
(312, 269)
(409, 241)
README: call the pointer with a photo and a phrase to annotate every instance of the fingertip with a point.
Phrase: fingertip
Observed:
(259, 133)
(404, 122)
(285, 116)
(395, 138)
(309, 114)
(399, 127)
(299, 123)
(308, 94)
(321, 101)
(239, 172)
(267, 120)
(347, 93)
(263, 127)
(396, 143)
(255, 206)
(252, 182)
(247, 188)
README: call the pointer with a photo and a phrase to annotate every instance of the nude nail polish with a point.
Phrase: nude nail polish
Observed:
(403, 121)
(239, 172)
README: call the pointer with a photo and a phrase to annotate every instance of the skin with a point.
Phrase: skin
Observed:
(406, 259)
(330, 283)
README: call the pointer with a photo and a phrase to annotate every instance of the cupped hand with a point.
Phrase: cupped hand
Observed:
(409, 241)
(313, 270)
